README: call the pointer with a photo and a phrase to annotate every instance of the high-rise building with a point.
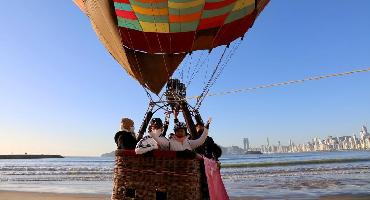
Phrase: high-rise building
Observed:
(364, 131)
(329, 143)
(246, 144)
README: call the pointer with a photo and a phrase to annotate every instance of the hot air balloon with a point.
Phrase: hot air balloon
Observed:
(150, 38)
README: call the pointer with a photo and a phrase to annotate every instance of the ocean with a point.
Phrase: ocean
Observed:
(267, 176)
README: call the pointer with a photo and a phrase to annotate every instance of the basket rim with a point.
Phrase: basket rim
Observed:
(158, 154)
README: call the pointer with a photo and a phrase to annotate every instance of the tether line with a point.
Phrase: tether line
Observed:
(314, 78)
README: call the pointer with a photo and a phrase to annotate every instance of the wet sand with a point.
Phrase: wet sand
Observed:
(14, 195)
(332, 197)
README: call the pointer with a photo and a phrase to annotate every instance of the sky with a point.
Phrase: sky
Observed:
(62, 93)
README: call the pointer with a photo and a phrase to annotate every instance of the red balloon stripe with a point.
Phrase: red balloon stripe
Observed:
(126, 14)
(216, 5)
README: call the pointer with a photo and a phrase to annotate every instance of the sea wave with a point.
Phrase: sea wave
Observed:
(31, 172)
(296, 162)
(244, 175)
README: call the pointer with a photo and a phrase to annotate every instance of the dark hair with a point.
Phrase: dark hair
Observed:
(217, 151)
(157, 122)
(179, 125)
(125, 140)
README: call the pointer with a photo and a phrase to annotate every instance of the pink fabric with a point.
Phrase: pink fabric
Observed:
(216, 187)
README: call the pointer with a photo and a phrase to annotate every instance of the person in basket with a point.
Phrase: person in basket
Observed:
(179, 141)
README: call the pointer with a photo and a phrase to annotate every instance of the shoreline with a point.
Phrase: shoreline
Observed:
(29, 156)
(292, 163)
(16, 195)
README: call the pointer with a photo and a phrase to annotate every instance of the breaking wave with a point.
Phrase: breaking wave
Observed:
(296, 162)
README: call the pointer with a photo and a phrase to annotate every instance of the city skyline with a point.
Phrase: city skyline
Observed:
(330, 143)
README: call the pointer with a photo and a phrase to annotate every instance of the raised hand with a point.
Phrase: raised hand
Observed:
(209, 120)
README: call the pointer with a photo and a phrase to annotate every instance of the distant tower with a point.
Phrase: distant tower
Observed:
(363, 133)
(364, 130)
(268, 142)
(246, 144)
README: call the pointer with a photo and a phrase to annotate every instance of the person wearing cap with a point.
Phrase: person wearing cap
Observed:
(179, 141)
(125, 138)
(147, 143)
(156, 123)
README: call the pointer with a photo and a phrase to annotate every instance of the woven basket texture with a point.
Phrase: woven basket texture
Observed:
(158, 175)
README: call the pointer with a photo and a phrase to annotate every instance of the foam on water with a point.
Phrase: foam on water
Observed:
(304, 175)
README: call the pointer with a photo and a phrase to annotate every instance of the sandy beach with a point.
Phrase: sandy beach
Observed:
(15, 195)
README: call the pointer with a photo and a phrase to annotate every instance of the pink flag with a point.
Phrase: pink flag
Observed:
(216, 187)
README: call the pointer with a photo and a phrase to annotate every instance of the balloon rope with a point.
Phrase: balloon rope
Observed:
(206, 72)
(314, 78)
(198, 66)
(189, 66)
(224, 64)
(199, 99)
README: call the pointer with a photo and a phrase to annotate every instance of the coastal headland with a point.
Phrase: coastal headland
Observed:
(29, 156)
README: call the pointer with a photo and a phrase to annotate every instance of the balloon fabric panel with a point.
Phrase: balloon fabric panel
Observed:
(158, 23)
(150, 38)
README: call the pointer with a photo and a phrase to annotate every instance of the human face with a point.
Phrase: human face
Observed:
(154, 127)
(180, 133)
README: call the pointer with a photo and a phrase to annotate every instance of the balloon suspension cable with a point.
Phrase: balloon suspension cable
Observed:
(224, 64)
(314, 78)
(148, 94)
(182, 75)
(161, 108)
(202, 96)
(182, 67)
(200, 99)
(193, 109)
(197, 67)
(161, 104)
(207, 70)
(191, 69)
(190, 63)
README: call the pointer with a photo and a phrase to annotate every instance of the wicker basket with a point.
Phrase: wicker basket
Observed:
(158, 175)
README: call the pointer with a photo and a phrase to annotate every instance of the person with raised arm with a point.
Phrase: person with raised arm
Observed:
(179, 141)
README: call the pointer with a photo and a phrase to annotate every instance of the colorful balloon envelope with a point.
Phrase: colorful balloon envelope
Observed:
(150, 38)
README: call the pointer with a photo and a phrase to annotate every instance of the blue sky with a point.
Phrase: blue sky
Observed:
(61, 92)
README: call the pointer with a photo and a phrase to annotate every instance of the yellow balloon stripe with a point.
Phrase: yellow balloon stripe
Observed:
(150, 11)
(155, 27)
(240, 4)
(186, 4)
